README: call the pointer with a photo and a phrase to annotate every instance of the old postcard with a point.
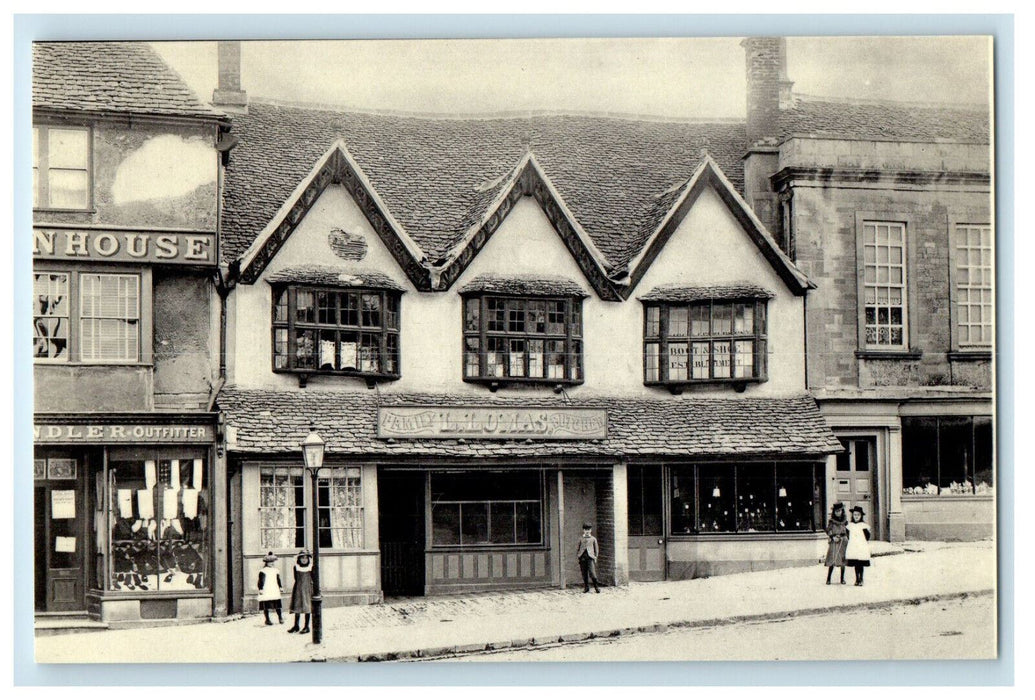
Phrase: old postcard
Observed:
(596, 349)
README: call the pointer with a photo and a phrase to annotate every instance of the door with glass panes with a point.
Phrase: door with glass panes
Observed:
(60, 524)
(646, 529)
(856, 478)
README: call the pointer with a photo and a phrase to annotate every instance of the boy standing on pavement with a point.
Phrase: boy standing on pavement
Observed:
(587, 556)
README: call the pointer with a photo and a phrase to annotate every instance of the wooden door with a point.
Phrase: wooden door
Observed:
(856, 478)
(646, 531)
(60, 512)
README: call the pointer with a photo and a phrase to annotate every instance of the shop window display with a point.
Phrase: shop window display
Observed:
(484, 510)
(159, 524)
(947, 456)
(746, 498)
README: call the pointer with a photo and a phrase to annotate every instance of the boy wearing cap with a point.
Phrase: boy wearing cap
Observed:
(270, 588)
(587, 554)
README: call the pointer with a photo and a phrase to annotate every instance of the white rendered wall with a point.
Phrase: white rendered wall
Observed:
(709, 247)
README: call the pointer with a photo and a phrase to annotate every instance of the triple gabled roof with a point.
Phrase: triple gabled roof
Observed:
(436, 190)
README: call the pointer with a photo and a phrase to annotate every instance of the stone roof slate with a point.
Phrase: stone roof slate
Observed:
(524, 286)
(110, 76)
(741, 290)
(438, 176)
(275, 422)
(885, 120)
(331, 276)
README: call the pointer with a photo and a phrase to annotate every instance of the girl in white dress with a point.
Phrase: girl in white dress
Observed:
(858, 552)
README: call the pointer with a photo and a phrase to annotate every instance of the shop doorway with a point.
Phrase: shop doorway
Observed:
(400, 504)
(856, 478)
(60, 526)
(646, 530)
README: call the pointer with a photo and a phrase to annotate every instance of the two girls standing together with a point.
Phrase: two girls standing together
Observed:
(849, 542)
(271, 589)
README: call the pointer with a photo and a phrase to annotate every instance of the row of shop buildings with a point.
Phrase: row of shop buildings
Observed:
(694, 335)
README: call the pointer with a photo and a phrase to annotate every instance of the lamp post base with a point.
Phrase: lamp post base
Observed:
(317, 619)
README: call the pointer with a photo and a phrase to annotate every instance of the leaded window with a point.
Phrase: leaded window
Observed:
(523, 339)
(704, 341)
(335, 331)
(974, 310)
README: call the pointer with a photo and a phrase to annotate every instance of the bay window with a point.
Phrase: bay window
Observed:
(334, 331)
(704, 341)
(746, 497)
(485, 510)
(522, 339)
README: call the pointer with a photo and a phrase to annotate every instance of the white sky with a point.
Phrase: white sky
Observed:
(664, 77)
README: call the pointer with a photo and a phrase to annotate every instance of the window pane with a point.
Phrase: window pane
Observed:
(701, 361)
(305, 350)
(472, 315)
(68, 189)
(67, 148)
(677, 361)
(326, 312)
(515, 316)
(280, 306)
(494, 357)
(502, 525)
(392, 311)
(516, 358)
(920, 456)
(700, 320)
(797, 491)
(684, 510)
(371, 306)
(280, 348)
(528, 523)
(555, 318)
(445, 523)
(722, 319)
(328, 345)
(471, 368)
(474, 523)
(348, 350)
(536, 317)
(718, 505)
(956, 452)
(755, 498)
(721, 359)
(536, 363)
(984, 478)
(650, 363)
(50, 316)
(555, 359)
(744, 358)
(677, 321)
(653, 322)
(744, 319)
(348, 311)
(109, 317)
(392, 360)
(305, 306)
(370, 353)
(496, 315)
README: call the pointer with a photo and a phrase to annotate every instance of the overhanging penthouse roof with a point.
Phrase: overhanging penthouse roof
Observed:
(275, 422)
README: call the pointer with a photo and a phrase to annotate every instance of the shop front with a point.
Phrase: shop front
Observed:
(124, 515)
(426, 495)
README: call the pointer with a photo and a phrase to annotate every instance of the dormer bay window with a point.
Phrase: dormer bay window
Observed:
(522, 331)
(327, 322)
(704, 335)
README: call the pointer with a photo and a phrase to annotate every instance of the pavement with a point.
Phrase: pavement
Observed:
(451, 626)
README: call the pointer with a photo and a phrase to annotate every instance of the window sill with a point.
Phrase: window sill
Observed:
(55, 210)
(970, 355)
(678, 387)
(458, 548)
(917, 497)
(872, 354)
(60, 363)
(197, 593)
(742, 536)
(371, 378)
(494, 383)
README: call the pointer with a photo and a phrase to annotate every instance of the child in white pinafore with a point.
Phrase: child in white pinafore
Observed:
(858, 552)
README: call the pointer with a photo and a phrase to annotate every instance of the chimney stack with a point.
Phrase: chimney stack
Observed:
(228, 95)
(768, 88)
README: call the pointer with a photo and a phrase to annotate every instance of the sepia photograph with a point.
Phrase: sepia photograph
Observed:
(496, 350)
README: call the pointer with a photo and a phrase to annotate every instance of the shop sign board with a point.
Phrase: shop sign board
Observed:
(122, 433)
(92, 245)
(491, 423)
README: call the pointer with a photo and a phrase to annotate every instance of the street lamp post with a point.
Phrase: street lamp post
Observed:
(312, 456)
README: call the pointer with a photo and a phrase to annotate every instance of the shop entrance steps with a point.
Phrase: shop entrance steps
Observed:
(67, 623)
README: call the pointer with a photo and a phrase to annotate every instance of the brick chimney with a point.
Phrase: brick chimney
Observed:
(768, 88)
(228, 95)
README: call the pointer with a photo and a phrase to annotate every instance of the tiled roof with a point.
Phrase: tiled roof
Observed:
(524, 286)
(110, 76)
(438, 176)
(742, 290)
(884, 120)
(331, 276)
(276, 422)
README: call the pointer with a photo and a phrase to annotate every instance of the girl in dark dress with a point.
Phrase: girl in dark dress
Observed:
(302, 591)
(837, 532)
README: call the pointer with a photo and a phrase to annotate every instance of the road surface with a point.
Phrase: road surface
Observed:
(955, 629)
